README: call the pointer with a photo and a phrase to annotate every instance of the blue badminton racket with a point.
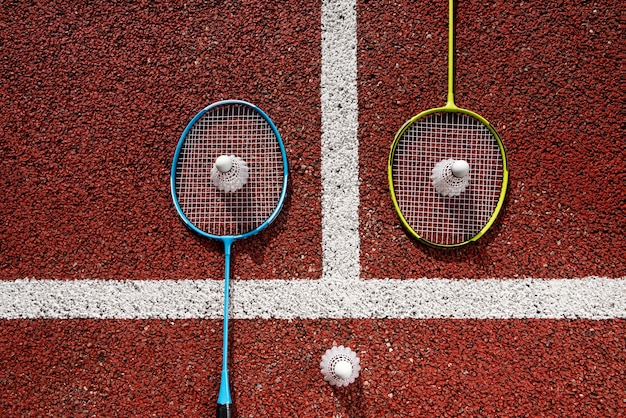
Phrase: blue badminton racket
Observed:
(228, 181)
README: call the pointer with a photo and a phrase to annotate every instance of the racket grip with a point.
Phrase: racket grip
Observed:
(224, 411)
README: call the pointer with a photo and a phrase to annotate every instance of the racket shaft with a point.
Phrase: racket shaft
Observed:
(224, 400)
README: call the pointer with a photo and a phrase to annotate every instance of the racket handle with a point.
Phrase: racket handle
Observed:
(224, 411)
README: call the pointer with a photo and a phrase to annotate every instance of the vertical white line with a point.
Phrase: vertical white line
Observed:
(340, 168)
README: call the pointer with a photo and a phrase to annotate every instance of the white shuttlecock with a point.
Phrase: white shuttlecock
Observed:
(229, 173)
(340, 366)
(450, 177)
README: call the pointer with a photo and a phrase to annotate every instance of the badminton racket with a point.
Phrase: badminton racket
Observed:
(447, 170)
(228, 181)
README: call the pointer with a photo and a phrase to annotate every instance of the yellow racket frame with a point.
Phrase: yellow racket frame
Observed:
(449, 108)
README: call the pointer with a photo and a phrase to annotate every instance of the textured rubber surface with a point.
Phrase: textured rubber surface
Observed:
(94, 99)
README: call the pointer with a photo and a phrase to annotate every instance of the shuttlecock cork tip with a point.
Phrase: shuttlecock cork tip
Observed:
(343, 369)
(223, 163)
(460, 168)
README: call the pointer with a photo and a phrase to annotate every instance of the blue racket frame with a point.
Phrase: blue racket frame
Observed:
(224, 399)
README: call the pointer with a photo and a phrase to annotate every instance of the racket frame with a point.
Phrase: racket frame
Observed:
(449, 108)
(179, 147)
(224, 400)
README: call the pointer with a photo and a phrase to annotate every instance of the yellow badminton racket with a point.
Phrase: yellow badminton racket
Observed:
(447, 170)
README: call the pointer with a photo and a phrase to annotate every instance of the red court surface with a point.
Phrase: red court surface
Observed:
(94, 100)
(413, 368)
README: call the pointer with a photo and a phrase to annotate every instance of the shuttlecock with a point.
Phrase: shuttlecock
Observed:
(340, 366)
(229, 173)
(450, 177)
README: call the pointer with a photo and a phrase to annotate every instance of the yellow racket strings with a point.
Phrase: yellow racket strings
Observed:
(438, 219)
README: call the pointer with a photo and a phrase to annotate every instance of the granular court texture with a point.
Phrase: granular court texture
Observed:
(110, 307)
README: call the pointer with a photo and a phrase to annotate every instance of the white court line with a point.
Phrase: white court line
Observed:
(340, 145)
(590, 298)
(340, 293)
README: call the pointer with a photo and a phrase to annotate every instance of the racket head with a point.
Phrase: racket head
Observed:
(229, 127)
(429, 138)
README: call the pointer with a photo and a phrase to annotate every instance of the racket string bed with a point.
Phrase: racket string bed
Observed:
(238, 131)
(429, 140)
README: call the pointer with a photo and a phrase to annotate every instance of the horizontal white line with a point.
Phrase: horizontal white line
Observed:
(591, 298)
